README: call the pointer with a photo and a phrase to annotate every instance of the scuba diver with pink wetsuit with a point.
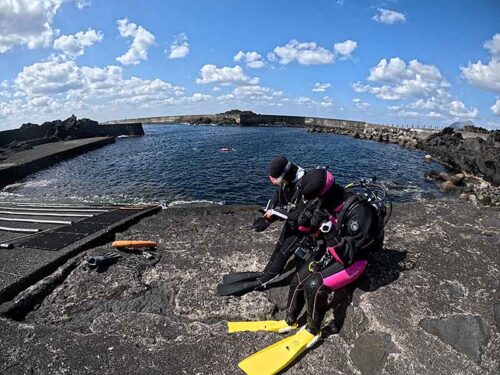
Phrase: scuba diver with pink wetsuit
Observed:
(351, 228)
(345, 225)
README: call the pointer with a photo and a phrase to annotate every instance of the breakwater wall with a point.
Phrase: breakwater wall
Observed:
(181, 119)
(253, 119)
(244, 119)
(71, 128)
(407, 137)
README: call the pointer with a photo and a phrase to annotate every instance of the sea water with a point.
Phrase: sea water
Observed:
(183, 164)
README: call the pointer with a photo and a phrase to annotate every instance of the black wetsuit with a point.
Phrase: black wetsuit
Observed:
(286, 195)
(349, 244)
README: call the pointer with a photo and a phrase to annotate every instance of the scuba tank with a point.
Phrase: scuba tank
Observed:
(368, 191)
(364, 191)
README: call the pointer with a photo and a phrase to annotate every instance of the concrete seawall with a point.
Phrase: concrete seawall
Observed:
(245, 119)
(23, 163)
(359, 129)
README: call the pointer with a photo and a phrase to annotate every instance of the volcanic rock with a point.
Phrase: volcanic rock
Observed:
(472, 155)
(465, 333)
(435, 280)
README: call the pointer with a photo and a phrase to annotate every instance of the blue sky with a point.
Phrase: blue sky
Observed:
(425, 63)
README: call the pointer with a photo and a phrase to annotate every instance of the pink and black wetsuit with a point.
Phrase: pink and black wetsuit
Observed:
(349, 244)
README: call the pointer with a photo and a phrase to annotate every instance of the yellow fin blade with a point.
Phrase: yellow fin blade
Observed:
(264, 325)
(278, 356)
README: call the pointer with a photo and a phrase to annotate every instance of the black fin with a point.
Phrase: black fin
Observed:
(240, 276)
(237, 289)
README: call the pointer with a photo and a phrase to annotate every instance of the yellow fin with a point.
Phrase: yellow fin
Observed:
(265, 325)
(278, 356)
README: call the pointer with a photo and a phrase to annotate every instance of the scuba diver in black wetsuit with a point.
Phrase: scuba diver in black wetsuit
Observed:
(348, 226)
(286, 176)
(352, 225)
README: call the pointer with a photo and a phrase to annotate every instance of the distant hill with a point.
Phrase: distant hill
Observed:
(459, 125)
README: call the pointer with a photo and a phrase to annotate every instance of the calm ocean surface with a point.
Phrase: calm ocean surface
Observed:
(176, 164)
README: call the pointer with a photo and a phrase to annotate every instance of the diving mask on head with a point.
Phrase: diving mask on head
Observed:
(280, 179)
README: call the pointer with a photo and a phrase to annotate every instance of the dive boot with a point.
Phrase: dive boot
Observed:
(280, 355)
(279, 326)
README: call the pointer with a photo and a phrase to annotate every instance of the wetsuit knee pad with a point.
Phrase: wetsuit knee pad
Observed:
(312, 284)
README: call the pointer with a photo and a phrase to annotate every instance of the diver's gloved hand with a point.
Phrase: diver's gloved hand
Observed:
(318, 217)
(304, 219)
(260, 224)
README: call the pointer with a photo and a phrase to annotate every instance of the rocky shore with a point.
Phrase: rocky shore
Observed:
(430, 303)
(472, 157)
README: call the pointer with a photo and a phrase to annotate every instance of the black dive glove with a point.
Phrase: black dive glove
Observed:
(319, 217)
(304, 219)
(103, 260)
(260, 224)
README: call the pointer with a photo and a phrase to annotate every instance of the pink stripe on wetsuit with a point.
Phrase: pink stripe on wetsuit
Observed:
(347, 275)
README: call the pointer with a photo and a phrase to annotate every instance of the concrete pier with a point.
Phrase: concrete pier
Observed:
(20, 164)
(36, 247)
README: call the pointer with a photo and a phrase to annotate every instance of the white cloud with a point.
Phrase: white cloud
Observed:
(402, 80)
(458, 109)
(50, 77)
(396, 69)
(256, 92)
(27, 23)
(58, 79)
(345, 48)
(321, 87)
(325, 102)
(80, 4)
(142, 40)
(382, 92)
(179, 48)
(303, 53)
(486, 76)
(74, 45)
(225, 75)
(360, 104)
(254, 95)
(412, 114)
(198, 97)
(391, 71)
(225, 98)
(58, 87)
(483, 76)
(252, 59)
(388, 17)
(495, 108)
(422, 83)
(493, 45)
